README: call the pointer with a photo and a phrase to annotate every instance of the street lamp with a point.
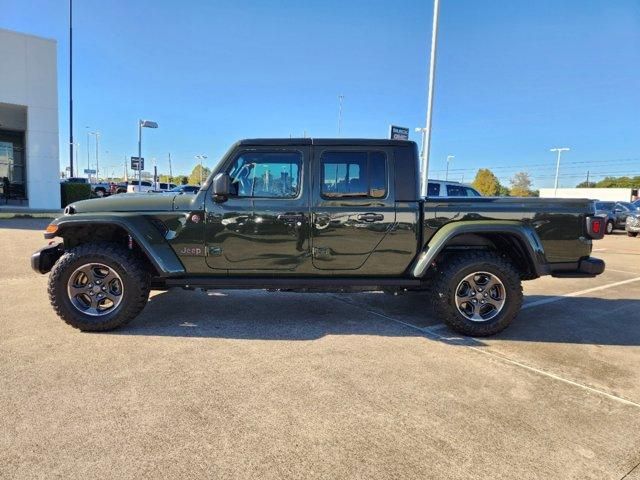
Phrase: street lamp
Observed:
(201, 158)
(559, 150)
(142, 124)
(449, 158)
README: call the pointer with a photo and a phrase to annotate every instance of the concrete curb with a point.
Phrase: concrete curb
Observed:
(15, 215)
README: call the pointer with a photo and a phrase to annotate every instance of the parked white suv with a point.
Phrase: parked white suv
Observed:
(441, 188)
(147, 186)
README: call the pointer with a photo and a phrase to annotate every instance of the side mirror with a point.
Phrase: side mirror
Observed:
(221, 187)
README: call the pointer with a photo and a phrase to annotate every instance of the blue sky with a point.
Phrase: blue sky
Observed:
(514, 77)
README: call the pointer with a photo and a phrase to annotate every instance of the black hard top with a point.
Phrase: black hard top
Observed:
(324, 141)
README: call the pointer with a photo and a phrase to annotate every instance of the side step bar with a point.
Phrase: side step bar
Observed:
(290, 282)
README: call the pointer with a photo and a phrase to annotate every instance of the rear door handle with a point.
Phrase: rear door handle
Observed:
(291, 217)
(370, 217)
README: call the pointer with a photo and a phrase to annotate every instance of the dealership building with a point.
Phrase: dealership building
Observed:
(29, 156)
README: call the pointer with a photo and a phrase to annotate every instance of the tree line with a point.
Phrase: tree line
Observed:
(488, 185)
(195, 178)
(612, 182)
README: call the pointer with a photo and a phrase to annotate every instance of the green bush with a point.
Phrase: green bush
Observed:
(72, 192)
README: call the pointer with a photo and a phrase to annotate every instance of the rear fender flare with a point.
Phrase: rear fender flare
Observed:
(525, 234)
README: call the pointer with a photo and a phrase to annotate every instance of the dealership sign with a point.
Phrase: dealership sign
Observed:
(137, 163)
(398, 133)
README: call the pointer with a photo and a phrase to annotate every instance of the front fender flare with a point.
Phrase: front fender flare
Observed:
(149, 238)
(525, 234)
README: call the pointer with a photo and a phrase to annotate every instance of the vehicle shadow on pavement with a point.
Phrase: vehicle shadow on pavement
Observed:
(264, 315)
(255, 315)
(579, 320)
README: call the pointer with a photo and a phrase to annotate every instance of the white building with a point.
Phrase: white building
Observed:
(29, 160)
(604, 194)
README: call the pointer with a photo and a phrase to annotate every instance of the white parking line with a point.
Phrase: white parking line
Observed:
(622, 271)
(578, 293)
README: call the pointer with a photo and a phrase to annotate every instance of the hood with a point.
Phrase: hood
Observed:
(125, 202)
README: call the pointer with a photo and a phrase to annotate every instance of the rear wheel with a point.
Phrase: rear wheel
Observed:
(98, 286)
(478, 294)
(609, 227)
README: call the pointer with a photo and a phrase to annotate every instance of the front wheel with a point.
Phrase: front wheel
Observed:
(632, 234)
(98, 286)
(477, 294)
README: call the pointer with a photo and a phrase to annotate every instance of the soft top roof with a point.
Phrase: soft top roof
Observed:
(324, 141)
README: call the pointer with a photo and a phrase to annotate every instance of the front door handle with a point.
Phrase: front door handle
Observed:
(371, 217)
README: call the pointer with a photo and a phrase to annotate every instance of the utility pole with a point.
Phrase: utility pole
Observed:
(449, 158)
(97, 156)
(201, 158)
(340, 99)
(97, 135)
(587, 178)
(170, 171)
(426, 133)
(71, 145)
(559, 150)
(88, 159)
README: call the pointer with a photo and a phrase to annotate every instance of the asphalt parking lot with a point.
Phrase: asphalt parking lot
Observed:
(262, 385)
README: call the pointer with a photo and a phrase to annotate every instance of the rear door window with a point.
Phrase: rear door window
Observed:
(433, 190)
(456, 191)
(354, 174)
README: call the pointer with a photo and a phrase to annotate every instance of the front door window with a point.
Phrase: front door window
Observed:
(266, 174)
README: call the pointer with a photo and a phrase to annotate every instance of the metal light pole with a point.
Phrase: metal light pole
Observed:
(426, 133)
(449, 158)
(340, 99)
(142, 124)
(71, 144)
(421, 130)
(170, 171)
(97, 135)
(88, 159)
(201, 158)
(559, 150)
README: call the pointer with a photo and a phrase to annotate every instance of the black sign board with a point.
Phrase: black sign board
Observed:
(398, 133)
(137, 163)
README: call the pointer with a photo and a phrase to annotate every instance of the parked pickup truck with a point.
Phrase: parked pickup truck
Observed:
(315, 215)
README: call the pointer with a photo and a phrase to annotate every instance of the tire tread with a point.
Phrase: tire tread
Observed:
(443, 289)
(138, 279)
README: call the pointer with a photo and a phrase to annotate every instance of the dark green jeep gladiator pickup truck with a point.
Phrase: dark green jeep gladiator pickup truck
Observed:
(315, 215)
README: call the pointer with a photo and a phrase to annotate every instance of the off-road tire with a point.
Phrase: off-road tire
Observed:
(632, 234)
(135, 279)
(451, 273)
(609, 227)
